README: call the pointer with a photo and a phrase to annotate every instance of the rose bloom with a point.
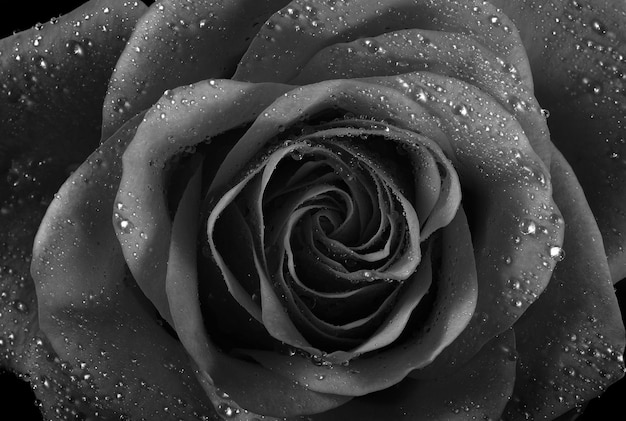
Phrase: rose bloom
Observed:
(321, 210)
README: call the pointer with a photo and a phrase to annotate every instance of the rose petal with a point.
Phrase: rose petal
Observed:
(176, 43)
(294, 34)
(579, 76)
(445, 183)
(450, 54)
(575, 324)
(41, 120)
(45, 132)
(179, 121)
(92, 314)
(491, 375)
(312, 99)
(234, 291)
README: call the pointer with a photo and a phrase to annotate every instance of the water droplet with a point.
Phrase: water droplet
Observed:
(515, 283)
(76, 48)
(494, 20)
(576, 4)
(372, 46)
(518, 104)
(421, 96)
(41, 62)
(296, 155)
(20, 306)
(569, 371)
(591, 86)
(461, 110)
(598, 27)
(555, 218)
(557, 253)
(124, 225)
(226, 410)
(528, 227)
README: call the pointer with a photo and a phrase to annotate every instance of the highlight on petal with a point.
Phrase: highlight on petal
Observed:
(177, 43)
(298, 31)
(575, 324)
(579, 78)
(95, 318)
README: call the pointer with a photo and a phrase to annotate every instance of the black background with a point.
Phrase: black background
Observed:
(16, 396)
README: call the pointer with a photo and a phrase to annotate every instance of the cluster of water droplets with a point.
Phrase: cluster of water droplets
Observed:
(599, 67)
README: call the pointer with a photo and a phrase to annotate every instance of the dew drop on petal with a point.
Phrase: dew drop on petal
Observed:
(75, 48)
(598, 27)
(124, 225)
(528, 227)
(557, 253)
(461, 110)
(227, 411)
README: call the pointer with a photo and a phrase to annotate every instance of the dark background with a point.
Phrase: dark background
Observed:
(16, 396)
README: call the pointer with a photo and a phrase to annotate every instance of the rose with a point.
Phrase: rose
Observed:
(77, 48)
(80, 293)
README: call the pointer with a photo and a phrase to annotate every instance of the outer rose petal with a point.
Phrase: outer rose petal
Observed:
(46, 131)
(575, 325)
(177, 43)
(95, 318)
(477, 391)
(38, 117)
(577, 51)
(455, 55)
(294, 34)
